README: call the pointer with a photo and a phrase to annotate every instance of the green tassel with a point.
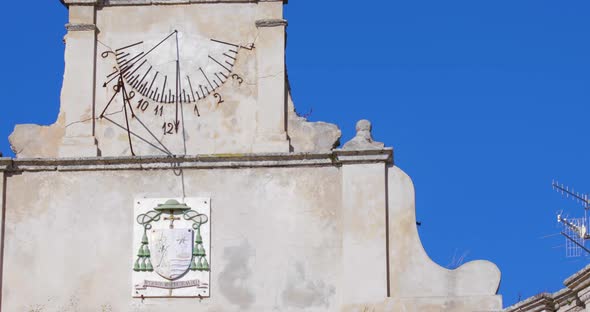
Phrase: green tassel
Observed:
(140, 252)
(205, 266)
(146, 251)
(196, 250)
(144, 239)
(193, 265)
(136, 267)
(200, 251)
(199, 265)
(149, 267)
(142, 268)
(199, 239)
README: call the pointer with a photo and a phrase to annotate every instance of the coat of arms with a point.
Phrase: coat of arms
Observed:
(171, 241)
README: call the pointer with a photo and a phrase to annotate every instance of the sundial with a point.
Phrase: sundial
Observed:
(156, 82)
(164, 81)
(174, 78)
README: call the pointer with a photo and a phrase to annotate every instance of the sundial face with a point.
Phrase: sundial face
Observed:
(166, 77)
(170, 85)
(180, 67)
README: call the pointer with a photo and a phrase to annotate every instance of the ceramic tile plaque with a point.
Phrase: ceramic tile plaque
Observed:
(171, 248)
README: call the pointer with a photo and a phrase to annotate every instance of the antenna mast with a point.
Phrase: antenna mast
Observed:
(575, 230)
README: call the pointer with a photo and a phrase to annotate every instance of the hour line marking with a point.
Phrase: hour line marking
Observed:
(217, 75)
(201, 87)
(111, 80)
(124, 55)
(227, 43)
(152, 84)
(133, 72)
(146, 73)
(201, 69)
(164, 87)
(234, 45)
(157, 45)
(191, 86)
(113, 73)
(126, 63)
(214, 60)
(129, 46)
(231, 57)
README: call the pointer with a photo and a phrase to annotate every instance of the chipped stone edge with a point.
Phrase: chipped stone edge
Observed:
(271, 23)
(5, 163)
(364, 156)
(336, 158)
(81, 27)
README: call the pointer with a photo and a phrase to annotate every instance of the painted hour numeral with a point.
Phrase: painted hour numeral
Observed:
(143, 105)
(159, 110)
(238, 78)
(168, 128)
(219, 98)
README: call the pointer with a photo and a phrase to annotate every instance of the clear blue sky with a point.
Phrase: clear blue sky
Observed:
(484, 102)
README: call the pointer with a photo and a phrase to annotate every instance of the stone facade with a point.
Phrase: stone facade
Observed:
(296, 224)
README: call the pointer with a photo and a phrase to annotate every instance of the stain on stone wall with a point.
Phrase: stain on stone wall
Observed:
(302, 292)
(234, 280)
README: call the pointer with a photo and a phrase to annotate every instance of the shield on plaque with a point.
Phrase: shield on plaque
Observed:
(171, 252)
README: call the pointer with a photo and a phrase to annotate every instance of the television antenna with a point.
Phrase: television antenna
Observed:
(575, 230)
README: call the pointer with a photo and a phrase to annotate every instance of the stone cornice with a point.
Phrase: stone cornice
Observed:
(336, 158)
(364, 156)
(540, 303)
(79, 2)
(570, 299)
(5, 163)
(81, 27)
(271, 23)
(149, 2)
(579, 280)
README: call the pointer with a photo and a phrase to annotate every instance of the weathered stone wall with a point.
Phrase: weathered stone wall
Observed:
(291, 232)
(276, 238)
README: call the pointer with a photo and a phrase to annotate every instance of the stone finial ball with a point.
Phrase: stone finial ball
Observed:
(363, 125)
